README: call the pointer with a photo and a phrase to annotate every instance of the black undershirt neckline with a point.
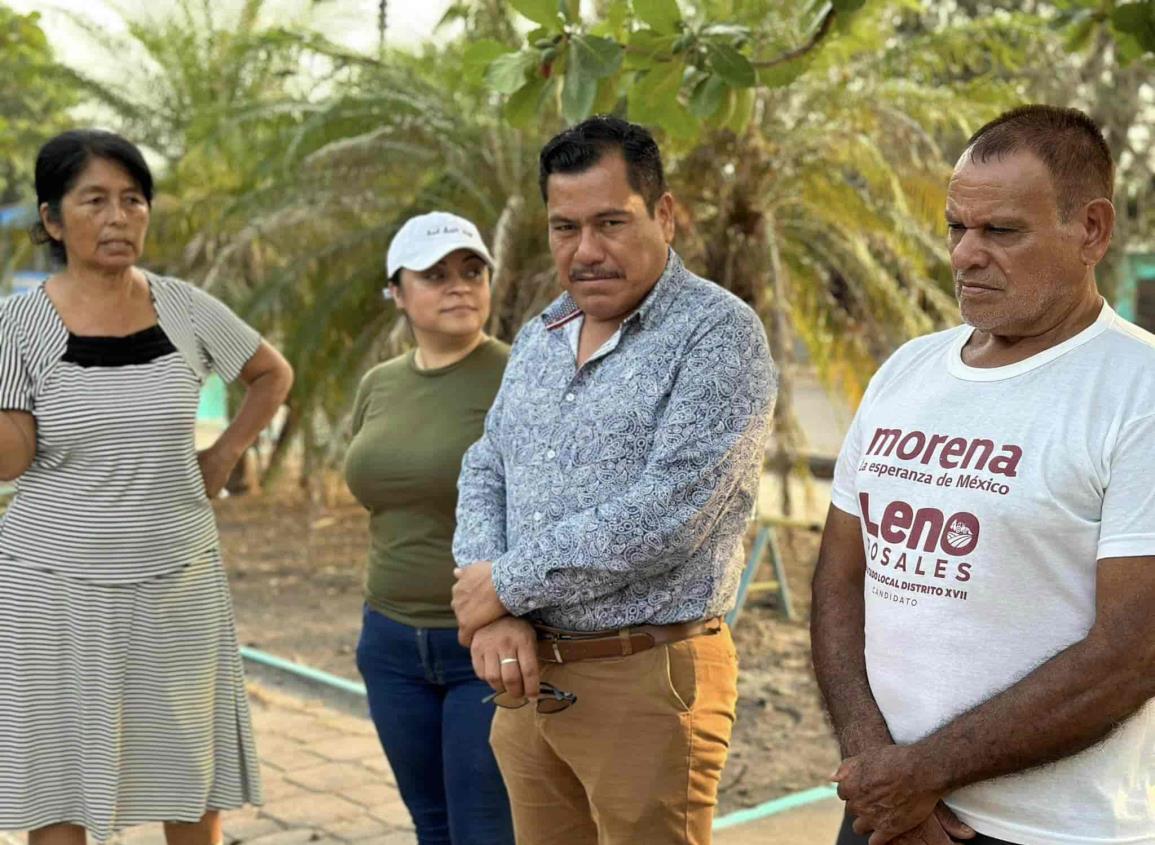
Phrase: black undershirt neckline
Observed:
(138, 348)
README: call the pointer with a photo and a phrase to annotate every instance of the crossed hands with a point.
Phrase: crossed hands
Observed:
(891, 802)
(505, 657)
(475, 601)
(503, 648)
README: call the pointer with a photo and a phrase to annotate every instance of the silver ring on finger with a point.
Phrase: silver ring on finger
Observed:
(505, 660)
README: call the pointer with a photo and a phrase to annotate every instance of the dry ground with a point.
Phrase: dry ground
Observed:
(296, 572)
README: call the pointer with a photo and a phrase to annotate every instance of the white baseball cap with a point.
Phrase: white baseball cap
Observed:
(426, 239)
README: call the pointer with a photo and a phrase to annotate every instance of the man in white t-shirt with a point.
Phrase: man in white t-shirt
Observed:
(984, 602)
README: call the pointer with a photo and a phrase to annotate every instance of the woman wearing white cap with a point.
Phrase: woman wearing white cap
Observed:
(413, 419)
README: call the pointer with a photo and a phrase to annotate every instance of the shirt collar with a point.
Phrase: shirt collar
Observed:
(564, 310)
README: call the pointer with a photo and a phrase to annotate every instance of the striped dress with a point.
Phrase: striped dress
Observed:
(122, 698)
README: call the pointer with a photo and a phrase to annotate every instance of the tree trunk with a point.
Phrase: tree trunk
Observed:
(787, 434)
(382, 26)
(504, 257)
(311, 459)
(281, 447)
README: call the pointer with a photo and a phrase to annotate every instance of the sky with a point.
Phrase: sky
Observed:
(349, 22)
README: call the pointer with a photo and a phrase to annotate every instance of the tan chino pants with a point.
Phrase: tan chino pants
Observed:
(636, 760)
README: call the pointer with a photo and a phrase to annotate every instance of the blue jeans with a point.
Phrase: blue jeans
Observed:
(425, 701)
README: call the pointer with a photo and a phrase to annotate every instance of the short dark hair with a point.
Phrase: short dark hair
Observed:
(580, 147)
(1067, 141)
(62, 160)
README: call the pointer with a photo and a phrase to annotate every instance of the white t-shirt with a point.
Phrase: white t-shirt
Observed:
(986, 498)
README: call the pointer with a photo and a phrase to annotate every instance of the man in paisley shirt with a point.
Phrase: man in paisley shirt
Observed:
(601, 515)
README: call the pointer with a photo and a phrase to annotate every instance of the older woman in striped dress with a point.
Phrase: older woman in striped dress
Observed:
(122, 698)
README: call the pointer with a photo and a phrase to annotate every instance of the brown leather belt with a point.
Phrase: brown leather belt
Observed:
(557, 646)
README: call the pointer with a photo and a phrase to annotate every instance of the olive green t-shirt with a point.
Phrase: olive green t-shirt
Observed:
(411, 428)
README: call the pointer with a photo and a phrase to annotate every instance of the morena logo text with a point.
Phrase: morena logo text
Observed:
(950, 452)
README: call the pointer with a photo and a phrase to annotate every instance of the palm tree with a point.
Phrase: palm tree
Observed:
(212, 95)
(309, 257)
(823, 215)
(229, 105)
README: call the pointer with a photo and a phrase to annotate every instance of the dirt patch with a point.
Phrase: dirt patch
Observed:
(296, 571)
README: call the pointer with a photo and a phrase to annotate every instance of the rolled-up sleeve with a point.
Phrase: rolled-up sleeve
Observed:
(15, 380)
(708, 448)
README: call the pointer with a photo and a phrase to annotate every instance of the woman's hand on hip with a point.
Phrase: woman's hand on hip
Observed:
(216, 467)
(17, 443)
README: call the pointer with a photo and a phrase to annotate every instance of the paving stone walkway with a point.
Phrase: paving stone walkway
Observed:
(327, 783)
(325, 777)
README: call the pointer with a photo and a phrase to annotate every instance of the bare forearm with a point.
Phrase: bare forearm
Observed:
(838, 645)
(265, 394)
(1066, 705)
(17, 443)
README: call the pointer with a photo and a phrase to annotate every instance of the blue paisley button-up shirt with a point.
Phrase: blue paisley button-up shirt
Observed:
(617, 494)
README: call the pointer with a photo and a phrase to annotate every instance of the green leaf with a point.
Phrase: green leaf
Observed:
(570, 10)
(594, 57)
(731, 65)
(656, 105)
(647, 47)
(1128, 49)
(480, 53)
(660, 15)
(522, 108)
(544, 12)
(743, 110)
(609, 92)
(845, 7)
(782, 75)
(655, 92)
(506, 74)
(1138, 21)
(721, 117)
(1080, 34)
(677, 120)
(708, 96)
(578, 95)
(1132, 17)
(651, 42)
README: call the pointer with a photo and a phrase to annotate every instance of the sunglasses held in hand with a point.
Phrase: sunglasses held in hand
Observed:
(551, 699)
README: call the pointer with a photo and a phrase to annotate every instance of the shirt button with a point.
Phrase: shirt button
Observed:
(551, 454)
(537, 517)
(569, 397)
